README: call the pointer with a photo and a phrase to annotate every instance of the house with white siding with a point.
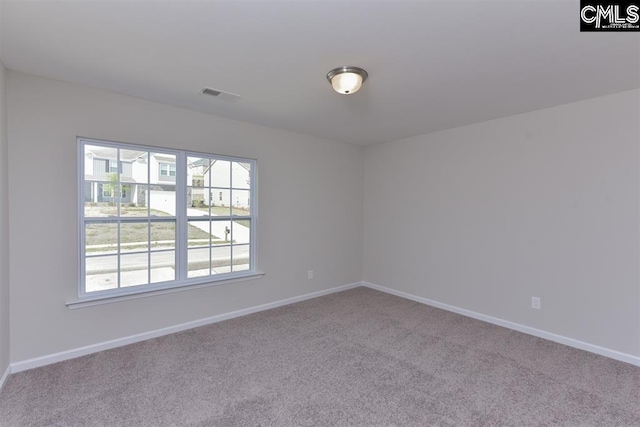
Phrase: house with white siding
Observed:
(133, 175)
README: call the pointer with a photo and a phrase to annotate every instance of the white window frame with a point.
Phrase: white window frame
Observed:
(171, 167)
(181, 221)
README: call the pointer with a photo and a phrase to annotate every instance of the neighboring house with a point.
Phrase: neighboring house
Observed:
(210, 181)
(101, 167)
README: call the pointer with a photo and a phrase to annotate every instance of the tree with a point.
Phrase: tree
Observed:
(113, 188)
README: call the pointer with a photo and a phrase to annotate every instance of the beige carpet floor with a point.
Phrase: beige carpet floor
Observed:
(358, 357)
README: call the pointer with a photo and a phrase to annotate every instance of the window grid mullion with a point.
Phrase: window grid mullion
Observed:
(231, 214)
(252, 213)
(148, 154)
(209, 167)
(148, 251)
(116, 195)
(182, 235)
(82, 241)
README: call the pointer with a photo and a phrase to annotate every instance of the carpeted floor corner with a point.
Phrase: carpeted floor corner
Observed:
(358, 357)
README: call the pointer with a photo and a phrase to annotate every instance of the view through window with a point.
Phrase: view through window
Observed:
(154, 218)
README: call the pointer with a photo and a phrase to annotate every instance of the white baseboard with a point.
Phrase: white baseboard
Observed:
(106, 345)
(4, 377)
(603, 351)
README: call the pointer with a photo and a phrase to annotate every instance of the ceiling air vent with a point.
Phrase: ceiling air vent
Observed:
(220, 94)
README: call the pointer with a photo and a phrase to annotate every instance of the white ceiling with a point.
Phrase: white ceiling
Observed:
(432, 65)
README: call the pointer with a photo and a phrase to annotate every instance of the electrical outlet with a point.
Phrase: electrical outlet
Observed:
(310, 274)
(536, 303)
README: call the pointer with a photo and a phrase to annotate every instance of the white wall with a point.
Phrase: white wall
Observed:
(486, 216)
(295, 235)
(4, 230)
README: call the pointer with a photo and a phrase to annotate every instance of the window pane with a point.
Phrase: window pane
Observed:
(134, 237)
(221, 202)
(198, 200)
(93, 205)
(163, 266)
(101, 273)
(221, 259)
(163, 235)
(221, 231)
(220, 173)
(129, 194)
(198, 262)
(91, 210)
(125, 192)
(162, 200)
(112, 192)
(130, 168)
(241, 231)
(199, 233)
(198, 172)
(241, 257)
(241, 202)
(98, 201)
(134, 269)
(160, 165)
(241, 177)
(101, 238)
(98, 161)
(135, 166)
(135, 196)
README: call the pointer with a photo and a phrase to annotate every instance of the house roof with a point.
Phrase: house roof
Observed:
(108, 153)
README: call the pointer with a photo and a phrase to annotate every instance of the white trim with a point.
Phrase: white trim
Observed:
(4, 377)
(144, 293)
(106, 345)
(571, 342)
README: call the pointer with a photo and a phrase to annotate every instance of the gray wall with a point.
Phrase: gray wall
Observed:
(310, 212)
(4, 229)
(481, 217)
(486, 216)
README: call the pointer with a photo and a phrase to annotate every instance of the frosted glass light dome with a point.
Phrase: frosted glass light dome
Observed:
(347, 80)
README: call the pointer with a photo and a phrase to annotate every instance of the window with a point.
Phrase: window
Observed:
(111, 166)
(144, 233)
(167, 169)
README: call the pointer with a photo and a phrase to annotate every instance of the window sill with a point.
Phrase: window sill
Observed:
(108, 299)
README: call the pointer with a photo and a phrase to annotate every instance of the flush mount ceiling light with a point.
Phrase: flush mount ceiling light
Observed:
(347, 80)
